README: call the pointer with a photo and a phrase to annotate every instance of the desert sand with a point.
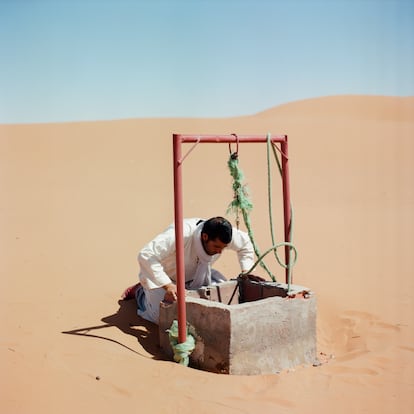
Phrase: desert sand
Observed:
(78, 201)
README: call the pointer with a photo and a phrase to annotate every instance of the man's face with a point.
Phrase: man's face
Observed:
(212, 247)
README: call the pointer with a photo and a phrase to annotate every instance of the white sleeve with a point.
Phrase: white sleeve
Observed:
(150, 257)
(241, 244)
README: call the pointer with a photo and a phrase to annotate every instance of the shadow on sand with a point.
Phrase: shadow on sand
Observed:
(127, 320)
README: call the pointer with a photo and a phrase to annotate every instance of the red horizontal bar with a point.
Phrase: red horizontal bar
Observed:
(229, 138)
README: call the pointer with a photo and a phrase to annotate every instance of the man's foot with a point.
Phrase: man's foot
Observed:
(130, 292)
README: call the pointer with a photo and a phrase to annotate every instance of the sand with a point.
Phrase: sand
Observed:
(78, 201)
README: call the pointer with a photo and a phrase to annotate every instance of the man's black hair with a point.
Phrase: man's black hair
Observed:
(218, 228)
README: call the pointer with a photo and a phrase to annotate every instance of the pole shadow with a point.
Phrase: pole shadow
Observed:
(127, 321)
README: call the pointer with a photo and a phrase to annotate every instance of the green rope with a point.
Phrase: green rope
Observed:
(241, 202)
(269, 191)
(291, 264)
(274, 248)
(181, 350)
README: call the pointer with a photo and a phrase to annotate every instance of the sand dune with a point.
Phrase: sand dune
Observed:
(78, 200)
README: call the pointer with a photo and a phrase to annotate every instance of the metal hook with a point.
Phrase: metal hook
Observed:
(234, 155)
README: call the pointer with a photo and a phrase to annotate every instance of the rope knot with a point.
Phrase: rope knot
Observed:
(182, 350)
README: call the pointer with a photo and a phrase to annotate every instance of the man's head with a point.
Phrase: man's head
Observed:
(216, 235)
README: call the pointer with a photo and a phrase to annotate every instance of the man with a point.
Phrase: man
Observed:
(204, 242)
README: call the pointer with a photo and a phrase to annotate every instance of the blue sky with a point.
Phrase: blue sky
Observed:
(74, 60)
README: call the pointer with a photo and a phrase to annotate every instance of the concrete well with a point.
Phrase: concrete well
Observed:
(260, 337)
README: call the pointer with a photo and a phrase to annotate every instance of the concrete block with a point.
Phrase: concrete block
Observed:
(260, 337)
(225, 292)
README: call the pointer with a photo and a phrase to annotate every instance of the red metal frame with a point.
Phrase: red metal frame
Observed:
(178, 139)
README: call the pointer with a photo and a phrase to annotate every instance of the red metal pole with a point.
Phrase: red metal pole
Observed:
(286, 201)
(179, 239)
(229, 138)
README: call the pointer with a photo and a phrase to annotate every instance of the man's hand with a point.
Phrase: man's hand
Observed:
(170, 293)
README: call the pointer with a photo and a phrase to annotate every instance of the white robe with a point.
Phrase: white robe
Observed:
(158, 262)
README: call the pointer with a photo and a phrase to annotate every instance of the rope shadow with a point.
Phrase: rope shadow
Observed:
(127, 321)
